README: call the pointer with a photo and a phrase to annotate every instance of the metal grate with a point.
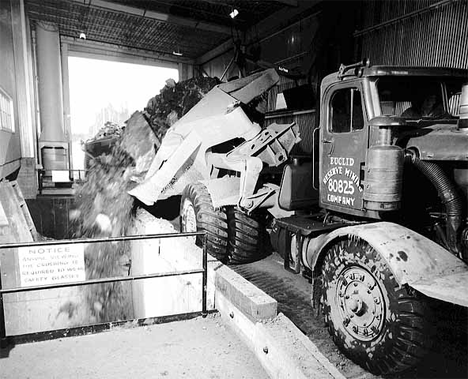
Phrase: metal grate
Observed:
(429, 34)
(124, 29)
(115, 26)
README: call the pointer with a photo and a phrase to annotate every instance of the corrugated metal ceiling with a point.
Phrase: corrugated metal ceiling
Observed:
(191, 27)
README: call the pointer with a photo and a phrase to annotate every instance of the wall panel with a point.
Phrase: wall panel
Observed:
(419, 33)
(10, 150)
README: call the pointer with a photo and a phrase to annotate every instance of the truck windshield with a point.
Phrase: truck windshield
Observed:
(418, 97)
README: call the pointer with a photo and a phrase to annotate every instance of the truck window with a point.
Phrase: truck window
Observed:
(453, 95)
(414, 97)
(346, 111)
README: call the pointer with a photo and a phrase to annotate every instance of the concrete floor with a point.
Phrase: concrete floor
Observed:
(197, 348)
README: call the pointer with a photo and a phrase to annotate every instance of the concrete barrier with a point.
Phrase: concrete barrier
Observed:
(182, 294)
(168, 295)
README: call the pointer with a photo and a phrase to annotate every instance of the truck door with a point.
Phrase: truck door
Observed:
(343, 147)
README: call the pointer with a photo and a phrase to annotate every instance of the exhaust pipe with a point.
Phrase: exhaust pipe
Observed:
(447, 193)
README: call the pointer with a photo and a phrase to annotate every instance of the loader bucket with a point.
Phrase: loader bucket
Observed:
(217, 118)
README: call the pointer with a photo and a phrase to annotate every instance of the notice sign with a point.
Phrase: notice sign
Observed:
(51, 264)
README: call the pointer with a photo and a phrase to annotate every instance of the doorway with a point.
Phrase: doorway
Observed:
(104, 94)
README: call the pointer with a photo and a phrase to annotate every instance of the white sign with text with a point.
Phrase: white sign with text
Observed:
(51, 264)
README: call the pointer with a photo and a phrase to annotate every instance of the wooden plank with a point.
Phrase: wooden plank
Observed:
(24, 209)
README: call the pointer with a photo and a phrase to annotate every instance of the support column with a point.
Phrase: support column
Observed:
(52, 143)
(66, 102)
(185, 71)
(27, 176)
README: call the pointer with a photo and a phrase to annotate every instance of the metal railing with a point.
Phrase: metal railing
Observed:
(74, 176)
(202, 270)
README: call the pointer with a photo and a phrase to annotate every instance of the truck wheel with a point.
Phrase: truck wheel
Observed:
(378, 324)
(197, 214)
(247, 237)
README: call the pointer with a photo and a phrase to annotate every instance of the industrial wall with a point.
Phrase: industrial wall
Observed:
(312, 42)
(10, 151)
(17, 141)
(417, 33)
(399, 32)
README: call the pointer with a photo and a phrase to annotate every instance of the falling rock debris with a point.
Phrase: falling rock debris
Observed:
(103, 206)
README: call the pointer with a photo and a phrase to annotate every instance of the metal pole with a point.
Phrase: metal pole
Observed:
(205, 274)
(2, 318)
(203, 271)
(95, 240)
(99, 281)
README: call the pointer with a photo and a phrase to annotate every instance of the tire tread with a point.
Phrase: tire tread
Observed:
(411, 328)
(210, 220)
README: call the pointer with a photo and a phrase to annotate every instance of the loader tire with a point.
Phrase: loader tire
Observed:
(378, 324)
(198, 214)
(248, 238)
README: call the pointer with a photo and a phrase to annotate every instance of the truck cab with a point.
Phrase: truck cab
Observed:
(385, 232)
(357, 106)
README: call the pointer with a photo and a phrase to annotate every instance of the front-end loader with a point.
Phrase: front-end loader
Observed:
(213, 156)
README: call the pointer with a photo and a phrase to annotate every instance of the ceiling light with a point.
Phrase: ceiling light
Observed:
(234, 13)
(177, 53)
(82, 35)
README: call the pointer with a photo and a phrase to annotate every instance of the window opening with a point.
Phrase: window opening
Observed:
(415, 97)
(104, 94)
(6, 112)
(346, 111)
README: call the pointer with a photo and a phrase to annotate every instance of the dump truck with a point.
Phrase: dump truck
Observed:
(375, 217)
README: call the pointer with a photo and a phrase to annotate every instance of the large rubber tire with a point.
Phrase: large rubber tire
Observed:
(378, 324)
(248, 238)
(197, 214)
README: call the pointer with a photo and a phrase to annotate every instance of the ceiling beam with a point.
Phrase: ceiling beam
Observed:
(101, 50)
(291, 3)
(279, 20)
(159, 16)
(216, 52)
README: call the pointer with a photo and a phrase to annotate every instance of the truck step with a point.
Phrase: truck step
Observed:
(306, 225)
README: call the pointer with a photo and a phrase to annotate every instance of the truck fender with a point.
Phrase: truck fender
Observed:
(224, 191)
(413, 259)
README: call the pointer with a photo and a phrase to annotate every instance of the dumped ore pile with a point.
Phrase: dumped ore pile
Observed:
(104, 208)
(175, 100)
